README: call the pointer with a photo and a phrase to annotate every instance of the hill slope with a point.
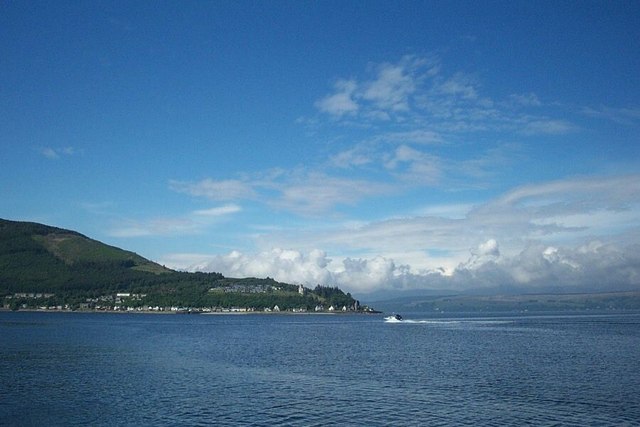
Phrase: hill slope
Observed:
(36, 257)
(74, 270)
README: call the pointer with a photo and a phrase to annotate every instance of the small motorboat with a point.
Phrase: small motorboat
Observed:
(398, 317)
(394, 318)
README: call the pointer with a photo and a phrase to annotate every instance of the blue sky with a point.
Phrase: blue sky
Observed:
(379, 146)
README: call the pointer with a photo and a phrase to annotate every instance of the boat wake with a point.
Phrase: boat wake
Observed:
(398, 319)
(450, 323)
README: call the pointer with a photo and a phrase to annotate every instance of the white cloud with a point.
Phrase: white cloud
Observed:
(458, 85)
(187, 261)
(391, 88)
(281, 264)
(358, 156)
(341, 102)
(486, 252)
(415, 166)
(591, 267)
(215, 190)
(218, 211)
(488, 248)
(292, 266)
(360, 275)
(387, 92)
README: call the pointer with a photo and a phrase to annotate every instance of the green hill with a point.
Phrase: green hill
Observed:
(48, 266)
(39, 258)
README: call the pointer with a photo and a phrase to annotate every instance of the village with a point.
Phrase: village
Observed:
(129, 302)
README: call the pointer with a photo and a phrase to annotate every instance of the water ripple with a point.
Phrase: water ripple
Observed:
(318, 371)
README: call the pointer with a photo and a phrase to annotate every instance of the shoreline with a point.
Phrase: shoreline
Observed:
(199, 313)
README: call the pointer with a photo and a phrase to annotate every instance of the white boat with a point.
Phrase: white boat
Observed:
(394, 318)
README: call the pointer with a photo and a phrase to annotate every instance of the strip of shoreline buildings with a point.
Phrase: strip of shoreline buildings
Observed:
(120, 302)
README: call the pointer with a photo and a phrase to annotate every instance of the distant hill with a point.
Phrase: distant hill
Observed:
(47, 266)
(513, 303)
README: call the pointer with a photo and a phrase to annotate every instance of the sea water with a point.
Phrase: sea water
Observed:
(305, 370)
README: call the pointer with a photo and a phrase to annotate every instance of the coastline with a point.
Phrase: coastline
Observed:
(194, 312)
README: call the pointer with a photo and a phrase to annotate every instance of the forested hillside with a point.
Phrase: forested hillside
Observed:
(43, 266)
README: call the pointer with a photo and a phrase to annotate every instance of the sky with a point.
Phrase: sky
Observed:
(379, 146)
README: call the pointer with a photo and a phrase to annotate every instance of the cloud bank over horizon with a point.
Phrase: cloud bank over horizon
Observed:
(572, 235)
(592, 267)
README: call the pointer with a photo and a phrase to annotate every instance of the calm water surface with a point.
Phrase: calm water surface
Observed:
(261, 370)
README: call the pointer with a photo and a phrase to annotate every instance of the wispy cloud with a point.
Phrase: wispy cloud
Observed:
(154, 227)
(99, 208)
(549, 127)
(230, 189)
(376, 150)
(525, 99)
(382, 167)
(357, 156)
(416, 136)
(428, 110)
(416, 92)
(308, 193)
(388, 91)
(57, 152)
(218, 211)
(624, 116)
(195, 222)
(342, 101)
(458, 85)
(317, 193)
(415, 166)
(392, 87)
